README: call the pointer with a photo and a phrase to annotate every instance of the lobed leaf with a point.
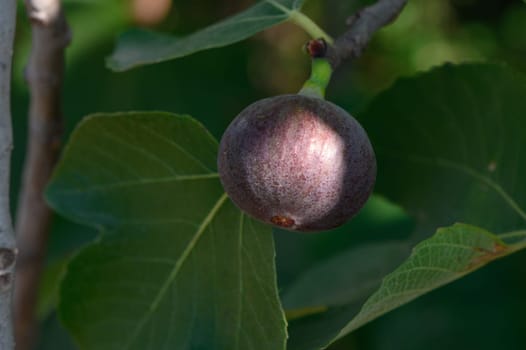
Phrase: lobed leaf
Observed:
(450, 145)
(179, 266)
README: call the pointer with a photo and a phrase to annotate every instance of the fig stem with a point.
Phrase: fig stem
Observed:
(305, 22)
(320, 77)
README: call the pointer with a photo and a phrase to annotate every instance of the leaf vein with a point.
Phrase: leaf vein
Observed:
(141, 181)
(177, 267)
(177, 146)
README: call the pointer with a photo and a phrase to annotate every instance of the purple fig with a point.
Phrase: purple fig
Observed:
(297, 162)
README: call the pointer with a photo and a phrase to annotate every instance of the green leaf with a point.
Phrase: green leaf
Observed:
(49, 285)
(53, 336)
(451, 145)
(323, 299)
(139, 47)
(179, 266)
(450, 254)
(345, 278)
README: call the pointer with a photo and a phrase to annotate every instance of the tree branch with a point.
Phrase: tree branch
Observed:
(362, 26)
(45, 71)
(7, 241)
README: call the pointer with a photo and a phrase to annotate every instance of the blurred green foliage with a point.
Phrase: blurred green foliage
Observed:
(215, 85)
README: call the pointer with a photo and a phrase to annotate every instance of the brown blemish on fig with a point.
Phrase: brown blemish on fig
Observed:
(282, 221)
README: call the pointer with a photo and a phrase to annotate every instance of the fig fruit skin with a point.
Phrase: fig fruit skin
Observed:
(297, 162)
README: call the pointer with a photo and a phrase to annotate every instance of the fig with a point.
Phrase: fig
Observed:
(298, 162)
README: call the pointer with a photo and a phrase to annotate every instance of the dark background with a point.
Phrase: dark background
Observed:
(486, 310)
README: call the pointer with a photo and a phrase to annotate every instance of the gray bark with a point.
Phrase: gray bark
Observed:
(7, 241)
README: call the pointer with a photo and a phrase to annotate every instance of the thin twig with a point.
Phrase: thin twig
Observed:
(7, 240)
(45, 70)
(362, 26)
